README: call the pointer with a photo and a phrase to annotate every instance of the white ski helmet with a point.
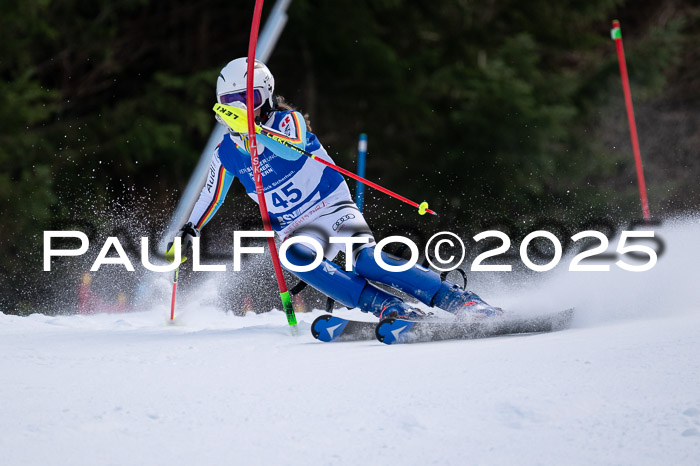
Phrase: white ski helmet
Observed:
(231, 84)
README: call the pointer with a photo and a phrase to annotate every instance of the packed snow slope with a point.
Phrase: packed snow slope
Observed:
(621, 387)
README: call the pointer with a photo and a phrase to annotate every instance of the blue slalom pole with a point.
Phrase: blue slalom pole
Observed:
(361, 157)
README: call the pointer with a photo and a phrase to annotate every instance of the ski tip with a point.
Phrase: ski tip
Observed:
(318, 325)
(328, 328)
(390, 331)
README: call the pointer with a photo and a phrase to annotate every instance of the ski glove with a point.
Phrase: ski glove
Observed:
(234, 117)
(186, 233)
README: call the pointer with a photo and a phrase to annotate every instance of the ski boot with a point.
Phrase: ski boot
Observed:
(385, 305)
(462, 303)
(399, 310)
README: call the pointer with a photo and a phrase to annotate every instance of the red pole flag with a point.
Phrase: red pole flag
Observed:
(616, 35)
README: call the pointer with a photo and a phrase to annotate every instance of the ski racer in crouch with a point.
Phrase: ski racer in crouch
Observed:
(307, 198)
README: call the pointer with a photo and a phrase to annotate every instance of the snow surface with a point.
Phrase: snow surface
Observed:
(621, 387)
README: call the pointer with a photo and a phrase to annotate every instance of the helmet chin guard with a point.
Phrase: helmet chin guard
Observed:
(231, 84)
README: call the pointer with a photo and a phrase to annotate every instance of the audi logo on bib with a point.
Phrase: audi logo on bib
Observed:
(342, 220)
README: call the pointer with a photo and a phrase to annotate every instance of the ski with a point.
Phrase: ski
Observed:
(331, 328)
(392, 331)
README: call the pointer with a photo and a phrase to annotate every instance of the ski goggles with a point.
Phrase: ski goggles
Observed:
(228, 99)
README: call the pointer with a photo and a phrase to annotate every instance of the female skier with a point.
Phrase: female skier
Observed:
(305, 197)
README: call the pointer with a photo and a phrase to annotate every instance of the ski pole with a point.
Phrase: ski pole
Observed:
(229, 114)
(422, 207)
(257, 176)
(616, 35)
(172, 301)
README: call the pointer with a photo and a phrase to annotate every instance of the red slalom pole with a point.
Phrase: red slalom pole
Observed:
(257, 176)
(172, 301)
(616, 35)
